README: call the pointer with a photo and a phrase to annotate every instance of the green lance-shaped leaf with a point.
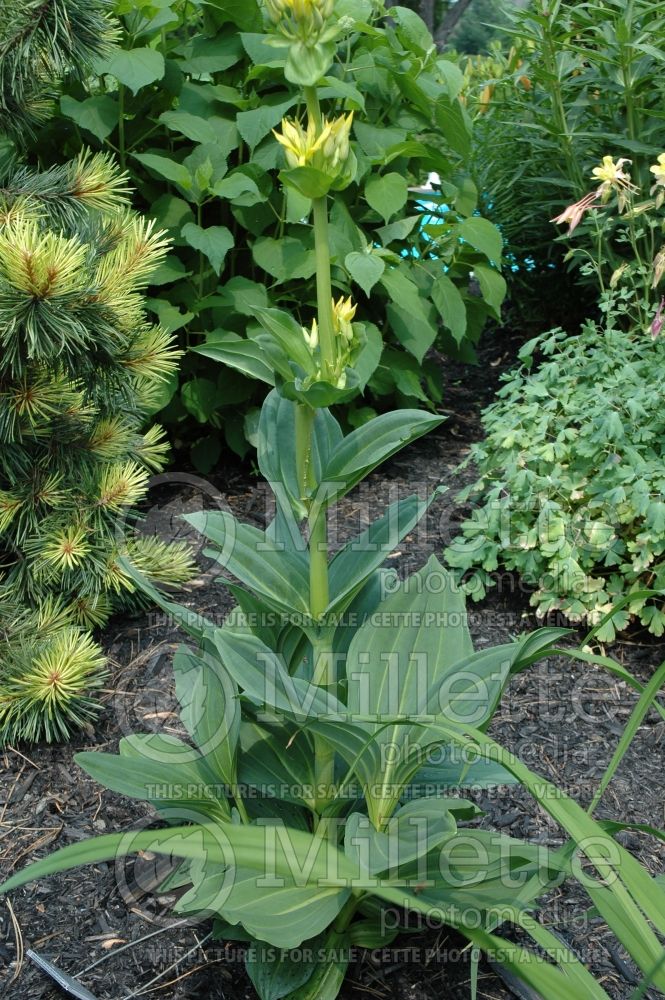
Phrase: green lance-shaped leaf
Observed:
(328, 976)
(262, 675)
(278, 850)
(209, 709)
(635, 894)
(162, 770)
(448, 300)
(368, 446)
(392, 668)
(286, 914)
(288, 334)
(249, 554)
(240, 353)
(355, 563)
(173, 171)
(277, 974)
(277, 759)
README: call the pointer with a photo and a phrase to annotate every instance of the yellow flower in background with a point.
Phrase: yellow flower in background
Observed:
(610, 172)
(658, 170)
(613, 178)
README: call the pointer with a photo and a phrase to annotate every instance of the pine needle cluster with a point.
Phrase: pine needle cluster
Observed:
(40, 42)
(79, 366)
(49, 667)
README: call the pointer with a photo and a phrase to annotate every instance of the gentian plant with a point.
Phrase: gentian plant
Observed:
(306, 802)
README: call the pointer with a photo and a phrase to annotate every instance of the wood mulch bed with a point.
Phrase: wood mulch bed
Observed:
(562, 720)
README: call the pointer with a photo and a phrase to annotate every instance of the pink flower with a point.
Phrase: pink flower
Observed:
(574, 213)
(657, 324)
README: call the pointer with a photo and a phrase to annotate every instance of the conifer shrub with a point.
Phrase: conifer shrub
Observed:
(80, 367)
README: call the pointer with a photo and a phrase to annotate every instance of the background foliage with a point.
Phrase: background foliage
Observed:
(581, 81)
(189, 103)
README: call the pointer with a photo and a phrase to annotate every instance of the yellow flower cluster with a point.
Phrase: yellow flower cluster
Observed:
(343, 312)
(327, 148)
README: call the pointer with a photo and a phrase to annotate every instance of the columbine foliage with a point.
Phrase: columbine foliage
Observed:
(571, 482)
(296, 799)
(571, 479)
(190, 104)
(79, 367)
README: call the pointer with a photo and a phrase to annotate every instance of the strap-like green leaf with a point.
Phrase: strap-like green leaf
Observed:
(282, 578)
(367, 446)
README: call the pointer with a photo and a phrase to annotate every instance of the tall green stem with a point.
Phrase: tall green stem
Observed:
(322, 251)
(318, 528)
(324, 286)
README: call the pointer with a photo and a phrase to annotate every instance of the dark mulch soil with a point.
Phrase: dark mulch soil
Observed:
(561, 720)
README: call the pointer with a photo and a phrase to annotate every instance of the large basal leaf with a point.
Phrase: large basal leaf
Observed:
(415, 829)
(278, 761)
(637, 899)
(280, 577)
(272, 848)
(284, 915)
(330, 971)
(390, 670)
(209, 709)
(164, 771)
(275, 974)
(450, 768)
(368, 446)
